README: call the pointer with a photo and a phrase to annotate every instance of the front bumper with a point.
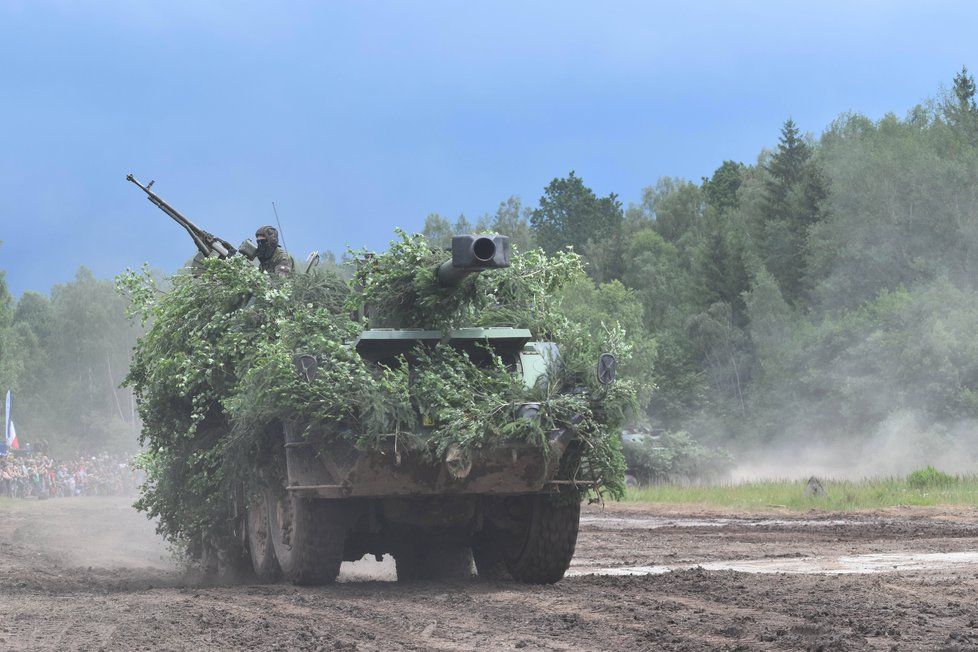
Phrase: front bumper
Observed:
(341, 471)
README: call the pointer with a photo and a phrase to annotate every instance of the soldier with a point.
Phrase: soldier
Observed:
(271, 257)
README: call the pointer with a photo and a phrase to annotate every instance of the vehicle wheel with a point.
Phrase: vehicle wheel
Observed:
(548, 543)
(489, 554)
(208, 561)
(433, 562)
(260, 547)
(224, 566)
(307, 536)
(234, 566)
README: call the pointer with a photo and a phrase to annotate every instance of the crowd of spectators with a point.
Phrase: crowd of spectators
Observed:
(39, 476)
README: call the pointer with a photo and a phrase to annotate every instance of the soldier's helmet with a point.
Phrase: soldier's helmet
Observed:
(269, 233)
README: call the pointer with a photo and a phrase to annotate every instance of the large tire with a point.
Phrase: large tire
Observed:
(548, 543)
(433, 561)
(208, 557)
(308, 537)
(224, 566)
(234, 565)
(489, 554)
(260, 546)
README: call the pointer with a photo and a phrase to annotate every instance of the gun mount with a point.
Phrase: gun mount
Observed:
(472, 254)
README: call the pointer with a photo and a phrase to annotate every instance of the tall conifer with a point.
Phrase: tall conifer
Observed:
(794, 195)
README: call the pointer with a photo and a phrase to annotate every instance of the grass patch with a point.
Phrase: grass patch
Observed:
(929, 478)
(926, 487)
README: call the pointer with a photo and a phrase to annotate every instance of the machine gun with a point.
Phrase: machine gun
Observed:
(209, 245)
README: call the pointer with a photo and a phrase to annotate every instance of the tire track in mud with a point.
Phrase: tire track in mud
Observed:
(359, 620)
(620, 614)
(415, 616)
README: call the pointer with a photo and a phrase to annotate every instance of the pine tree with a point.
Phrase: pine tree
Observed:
(794, 196)
(787, 166)
(964, 90)
(719, 263)
(960, 110)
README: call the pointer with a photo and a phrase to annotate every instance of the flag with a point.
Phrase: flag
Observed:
(6, 423)
(12, 442)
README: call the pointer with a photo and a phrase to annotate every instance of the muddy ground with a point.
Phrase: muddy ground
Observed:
(90, 574)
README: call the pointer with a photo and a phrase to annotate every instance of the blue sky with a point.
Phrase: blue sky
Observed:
(356, 117)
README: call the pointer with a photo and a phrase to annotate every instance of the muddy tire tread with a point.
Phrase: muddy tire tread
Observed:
(263, 562)
(550, 542)
(490, 559)
(319, 536)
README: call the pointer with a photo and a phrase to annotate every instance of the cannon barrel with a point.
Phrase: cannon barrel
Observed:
(470, 255)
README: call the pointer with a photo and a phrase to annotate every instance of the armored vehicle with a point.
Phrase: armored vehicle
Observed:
(492, 483)
(513, 509)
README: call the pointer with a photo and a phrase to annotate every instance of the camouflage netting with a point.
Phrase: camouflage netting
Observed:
(214, 375)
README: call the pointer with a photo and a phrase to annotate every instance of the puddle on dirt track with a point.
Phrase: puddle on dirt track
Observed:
(367, 569)
(845, 564)
(659, 522)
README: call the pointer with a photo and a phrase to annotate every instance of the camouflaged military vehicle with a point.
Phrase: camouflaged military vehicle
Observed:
(496, 508)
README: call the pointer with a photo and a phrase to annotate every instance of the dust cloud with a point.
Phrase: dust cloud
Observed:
(901, 444)
(91, 532)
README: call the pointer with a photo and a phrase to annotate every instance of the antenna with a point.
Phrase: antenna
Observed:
(281, 233)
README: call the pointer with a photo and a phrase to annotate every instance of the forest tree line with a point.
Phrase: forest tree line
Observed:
(827, 290)
(64, 356)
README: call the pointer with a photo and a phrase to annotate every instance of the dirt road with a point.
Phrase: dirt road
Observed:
(90, 574)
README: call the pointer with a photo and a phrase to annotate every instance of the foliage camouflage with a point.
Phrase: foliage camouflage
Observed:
(214, 374)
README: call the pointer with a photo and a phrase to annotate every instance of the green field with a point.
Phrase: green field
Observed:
(921, 488)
